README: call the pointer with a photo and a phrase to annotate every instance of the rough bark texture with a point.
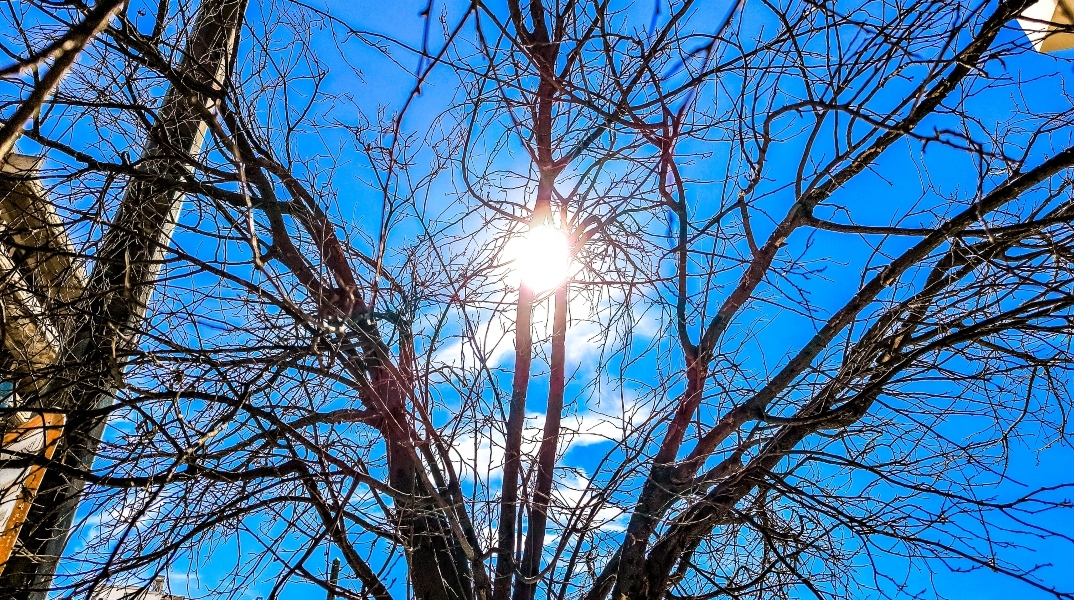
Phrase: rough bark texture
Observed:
(115, 300)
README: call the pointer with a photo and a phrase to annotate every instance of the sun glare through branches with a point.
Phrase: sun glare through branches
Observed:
(541, 258)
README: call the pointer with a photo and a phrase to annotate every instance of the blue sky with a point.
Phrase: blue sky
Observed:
(767, 331)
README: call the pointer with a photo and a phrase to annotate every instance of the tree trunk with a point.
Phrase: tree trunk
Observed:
(439, 568)
(118, 292)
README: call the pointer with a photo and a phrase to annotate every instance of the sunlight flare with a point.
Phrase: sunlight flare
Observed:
(541, 258)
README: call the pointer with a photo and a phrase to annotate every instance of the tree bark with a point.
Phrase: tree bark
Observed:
(118, 292)
(438, 565)
(530, 567)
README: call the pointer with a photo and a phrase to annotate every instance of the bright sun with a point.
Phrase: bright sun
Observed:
(541, 258)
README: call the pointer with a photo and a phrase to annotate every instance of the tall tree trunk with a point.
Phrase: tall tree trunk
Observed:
(530, 567)
(118, 292)
(438, 565)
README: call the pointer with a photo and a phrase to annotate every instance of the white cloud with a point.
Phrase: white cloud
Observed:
(611, 420)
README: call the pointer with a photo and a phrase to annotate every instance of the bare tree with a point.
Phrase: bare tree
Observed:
(89, 365)
(818, 312)
(62, 52)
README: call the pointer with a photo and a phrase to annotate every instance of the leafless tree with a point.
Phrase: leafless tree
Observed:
(816, 327)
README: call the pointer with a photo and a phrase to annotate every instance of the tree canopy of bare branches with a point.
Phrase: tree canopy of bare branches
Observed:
(814, 339)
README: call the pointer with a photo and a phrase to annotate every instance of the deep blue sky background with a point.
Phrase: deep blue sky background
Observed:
(874, 199)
